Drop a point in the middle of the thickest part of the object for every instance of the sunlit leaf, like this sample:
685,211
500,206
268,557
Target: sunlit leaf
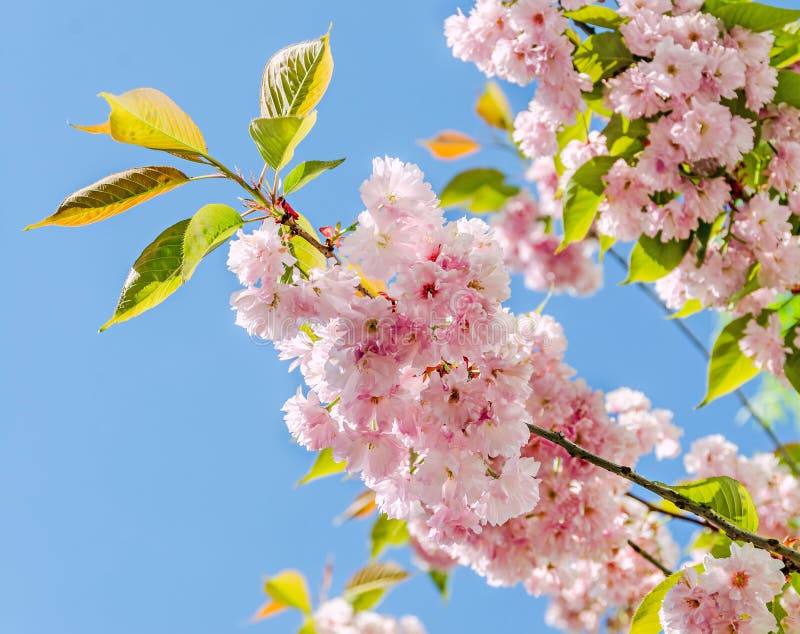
451,145
788,89
646,619
305,172
367,586
752,15
691,307
602,55
728,368
478,190
295,78
171,258
624,137
308,256
598,16
726,496
147,117
582,197
289,588
277,137
387,532
652,259
494,109
324,465
112,195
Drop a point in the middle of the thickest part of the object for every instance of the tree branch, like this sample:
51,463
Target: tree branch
641,551
677,516
791,557
701,348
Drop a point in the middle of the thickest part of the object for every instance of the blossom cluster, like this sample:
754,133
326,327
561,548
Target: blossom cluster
712,160
522,229
338,617
522,42
426,389
729,595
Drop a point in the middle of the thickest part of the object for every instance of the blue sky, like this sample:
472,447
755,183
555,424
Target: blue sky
146,476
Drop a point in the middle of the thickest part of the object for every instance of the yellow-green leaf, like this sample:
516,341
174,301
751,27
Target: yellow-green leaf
494,109
289,588
324,465
651,259
367,586
296,77
277,137
387,532
112,195
171,258
305,172
691,307
728,368
646,620
726,496
308,256
147,117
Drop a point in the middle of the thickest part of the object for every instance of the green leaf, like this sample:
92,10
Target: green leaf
149,118
308,626
306,172
578,131
753,15
324,465
308,256
786,49
602,55
792,369
478,190
726,496
691,307
652,259
583,194
387,532
367,586
494,109
171,258
646,620
296,78
277,137
289,588
599,16
606,242
728,368
788,88
112,195
441,579
624,137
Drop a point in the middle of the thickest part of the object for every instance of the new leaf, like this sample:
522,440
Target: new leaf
170,260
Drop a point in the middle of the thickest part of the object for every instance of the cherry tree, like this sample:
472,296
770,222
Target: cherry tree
672,125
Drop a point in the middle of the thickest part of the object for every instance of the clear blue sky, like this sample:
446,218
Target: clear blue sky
146,476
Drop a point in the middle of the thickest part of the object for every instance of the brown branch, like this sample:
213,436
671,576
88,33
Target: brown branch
790,557
641,551
677,516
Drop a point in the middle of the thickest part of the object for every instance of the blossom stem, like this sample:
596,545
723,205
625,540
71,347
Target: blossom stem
677,516
703,350
790,557
641,551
